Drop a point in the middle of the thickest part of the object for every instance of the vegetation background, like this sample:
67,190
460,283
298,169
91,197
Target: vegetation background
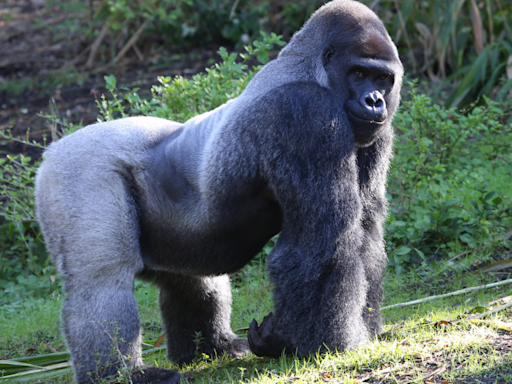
67,63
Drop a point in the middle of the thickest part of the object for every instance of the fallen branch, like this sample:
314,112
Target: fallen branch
76,60
436,372
490,312
459,292
132,41
466,252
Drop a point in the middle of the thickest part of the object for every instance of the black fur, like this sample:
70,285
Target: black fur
303,151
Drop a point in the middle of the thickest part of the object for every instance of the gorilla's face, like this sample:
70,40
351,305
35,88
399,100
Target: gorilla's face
363,68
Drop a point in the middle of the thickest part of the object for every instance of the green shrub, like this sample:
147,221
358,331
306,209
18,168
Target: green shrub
24,264
439,195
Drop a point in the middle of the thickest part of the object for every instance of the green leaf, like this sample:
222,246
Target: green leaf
263,57
111,82
403,250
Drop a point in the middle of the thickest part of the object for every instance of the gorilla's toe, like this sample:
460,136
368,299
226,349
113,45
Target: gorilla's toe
148,375
239,347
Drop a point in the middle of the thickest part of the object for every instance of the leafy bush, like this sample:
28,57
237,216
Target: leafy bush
440,200
24,263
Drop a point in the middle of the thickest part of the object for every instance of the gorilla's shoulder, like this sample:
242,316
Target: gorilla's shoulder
301,101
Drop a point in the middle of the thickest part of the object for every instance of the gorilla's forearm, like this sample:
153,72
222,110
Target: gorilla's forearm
373,164
320,285
320,308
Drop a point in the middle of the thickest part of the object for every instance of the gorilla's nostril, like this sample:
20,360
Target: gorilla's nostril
369,101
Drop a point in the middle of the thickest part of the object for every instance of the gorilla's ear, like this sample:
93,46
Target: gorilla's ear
327,55
320,73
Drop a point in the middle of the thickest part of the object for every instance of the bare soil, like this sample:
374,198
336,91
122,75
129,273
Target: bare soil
32,52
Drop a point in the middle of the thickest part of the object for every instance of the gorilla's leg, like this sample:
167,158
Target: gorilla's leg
318,305
90,225
198,304
101,325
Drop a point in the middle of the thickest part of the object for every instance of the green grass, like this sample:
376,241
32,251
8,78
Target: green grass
416,346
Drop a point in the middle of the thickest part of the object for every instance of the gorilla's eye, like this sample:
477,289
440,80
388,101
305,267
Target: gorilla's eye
384,77
328,54
358,73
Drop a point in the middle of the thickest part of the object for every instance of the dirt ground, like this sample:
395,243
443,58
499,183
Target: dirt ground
32,51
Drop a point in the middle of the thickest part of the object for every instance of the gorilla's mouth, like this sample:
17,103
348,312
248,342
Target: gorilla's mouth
365,126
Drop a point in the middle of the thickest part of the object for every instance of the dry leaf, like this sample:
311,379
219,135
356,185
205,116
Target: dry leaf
159,341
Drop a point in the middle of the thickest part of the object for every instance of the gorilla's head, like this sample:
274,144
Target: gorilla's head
354,56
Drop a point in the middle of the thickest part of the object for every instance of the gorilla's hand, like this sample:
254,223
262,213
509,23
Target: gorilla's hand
262,339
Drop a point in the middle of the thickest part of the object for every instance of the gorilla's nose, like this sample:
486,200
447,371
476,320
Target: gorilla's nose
373,104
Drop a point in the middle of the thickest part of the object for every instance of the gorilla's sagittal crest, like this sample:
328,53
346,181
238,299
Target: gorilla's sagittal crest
303,151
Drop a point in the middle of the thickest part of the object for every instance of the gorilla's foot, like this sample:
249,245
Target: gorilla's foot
147,375
263,340
239,347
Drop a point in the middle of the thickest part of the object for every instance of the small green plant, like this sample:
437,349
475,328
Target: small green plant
24,263
198,342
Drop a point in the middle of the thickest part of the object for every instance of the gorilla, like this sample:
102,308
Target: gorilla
303,151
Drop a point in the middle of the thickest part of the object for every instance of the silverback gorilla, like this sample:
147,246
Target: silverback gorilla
304,151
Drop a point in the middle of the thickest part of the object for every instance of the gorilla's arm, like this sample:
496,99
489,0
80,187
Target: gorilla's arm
373,164
320,285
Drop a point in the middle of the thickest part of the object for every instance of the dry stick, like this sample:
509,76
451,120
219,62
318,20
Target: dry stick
77,59
436,372
138,52
384,378
483,314
130,42
407,41
491,24
232,13
478,30
96,45
466,252
459,292
503,299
